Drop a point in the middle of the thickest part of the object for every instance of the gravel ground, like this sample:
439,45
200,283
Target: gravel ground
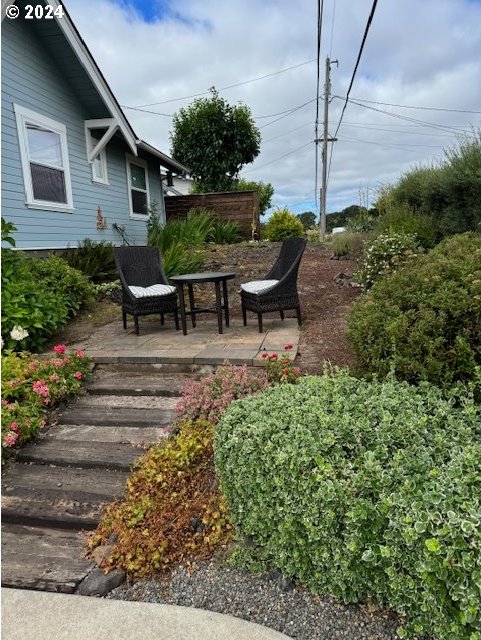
266,599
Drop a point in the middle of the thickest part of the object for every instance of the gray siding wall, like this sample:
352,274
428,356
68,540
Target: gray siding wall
31,79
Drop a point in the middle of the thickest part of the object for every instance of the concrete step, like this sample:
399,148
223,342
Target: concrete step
44,559
95,433
116,402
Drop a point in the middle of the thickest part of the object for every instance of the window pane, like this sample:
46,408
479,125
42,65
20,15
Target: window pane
44,146
139,202
98,169
138,177
48,184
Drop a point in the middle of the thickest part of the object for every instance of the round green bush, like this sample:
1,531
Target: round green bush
424,321
401,219
364,490
283,224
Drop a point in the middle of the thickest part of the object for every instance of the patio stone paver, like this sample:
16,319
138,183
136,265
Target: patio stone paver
159,344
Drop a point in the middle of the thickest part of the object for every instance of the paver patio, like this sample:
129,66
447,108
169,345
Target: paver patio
159,344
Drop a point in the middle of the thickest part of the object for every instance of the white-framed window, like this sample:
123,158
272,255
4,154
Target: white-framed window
99,163
138,185
45,165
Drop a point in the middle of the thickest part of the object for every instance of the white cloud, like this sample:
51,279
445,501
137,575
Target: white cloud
417,53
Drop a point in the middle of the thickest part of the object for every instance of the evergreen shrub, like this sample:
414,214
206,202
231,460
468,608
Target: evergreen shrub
282,225
424,321
363,490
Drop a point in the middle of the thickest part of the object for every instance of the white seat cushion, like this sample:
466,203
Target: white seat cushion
258,286
153,290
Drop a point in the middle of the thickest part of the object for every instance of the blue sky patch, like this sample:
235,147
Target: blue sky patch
152,11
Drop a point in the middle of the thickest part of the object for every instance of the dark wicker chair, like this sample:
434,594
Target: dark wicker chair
278,291
145,288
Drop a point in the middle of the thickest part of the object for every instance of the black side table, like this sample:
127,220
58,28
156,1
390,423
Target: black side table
221,301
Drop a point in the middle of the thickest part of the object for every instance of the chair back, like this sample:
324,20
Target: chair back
289,259
139,266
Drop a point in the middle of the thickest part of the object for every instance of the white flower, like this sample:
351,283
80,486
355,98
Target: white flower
17,333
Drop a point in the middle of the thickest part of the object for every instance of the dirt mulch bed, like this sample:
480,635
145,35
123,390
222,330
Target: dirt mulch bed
324,302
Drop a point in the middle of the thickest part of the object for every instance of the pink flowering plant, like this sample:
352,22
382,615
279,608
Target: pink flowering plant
281,367
207,399
31,385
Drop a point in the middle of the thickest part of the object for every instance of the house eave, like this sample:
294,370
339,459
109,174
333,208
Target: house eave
165,161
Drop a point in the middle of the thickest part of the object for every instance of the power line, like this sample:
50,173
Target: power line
288,113
366,31
410,106
230,86
446,127
280,157
394,145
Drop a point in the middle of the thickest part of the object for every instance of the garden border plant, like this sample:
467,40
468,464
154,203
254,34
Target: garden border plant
364,490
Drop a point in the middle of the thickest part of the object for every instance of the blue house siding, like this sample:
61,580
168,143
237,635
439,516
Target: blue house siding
31,79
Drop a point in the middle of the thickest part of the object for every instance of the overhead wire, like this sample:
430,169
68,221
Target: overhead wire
230,86
410,106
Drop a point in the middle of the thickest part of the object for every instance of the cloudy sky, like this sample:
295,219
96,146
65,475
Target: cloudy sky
417,84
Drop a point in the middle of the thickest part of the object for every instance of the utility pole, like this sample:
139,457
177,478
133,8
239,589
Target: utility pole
325,140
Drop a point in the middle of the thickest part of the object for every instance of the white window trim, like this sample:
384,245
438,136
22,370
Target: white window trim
141,163
103,158
26,116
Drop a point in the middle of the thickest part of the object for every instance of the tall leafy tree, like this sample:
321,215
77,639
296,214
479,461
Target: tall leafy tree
264,189
214,140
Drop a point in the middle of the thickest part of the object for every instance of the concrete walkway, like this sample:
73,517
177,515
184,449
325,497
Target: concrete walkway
202,345
33,615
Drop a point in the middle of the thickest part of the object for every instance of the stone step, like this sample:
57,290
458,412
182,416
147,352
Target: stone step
115,402
57,497
117,416
42,558
69,453
131,385
95,433
124,367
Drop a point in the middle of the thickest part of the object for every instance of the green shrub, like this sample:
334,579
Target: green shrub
178,259
364,490
423,322
402,220
225,232
281,225
385,255
348,243
362,222
95,260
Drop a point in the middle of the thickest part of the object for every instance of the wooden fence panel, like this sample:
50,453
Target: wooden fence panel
236,206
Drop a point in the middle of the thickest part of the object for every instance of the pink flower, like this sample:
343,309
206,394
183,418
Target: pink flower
13,426
273,356
297,372
65,360
78,375
40,387
10,439
54,378
80,353
60,348
288,347
265,355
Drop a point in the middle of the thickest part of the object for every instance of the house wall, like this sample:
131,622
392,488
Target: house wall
30,78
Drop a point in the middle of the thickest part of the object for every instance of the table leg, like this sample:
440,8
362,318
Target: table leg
191,302
226,302
218,305
180,289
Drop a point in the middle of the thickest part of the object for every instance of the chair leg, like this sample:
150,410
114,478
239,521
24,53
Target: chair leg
244,316
299,317
281,311
259,320
176,319
124,319
136,321
162,319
